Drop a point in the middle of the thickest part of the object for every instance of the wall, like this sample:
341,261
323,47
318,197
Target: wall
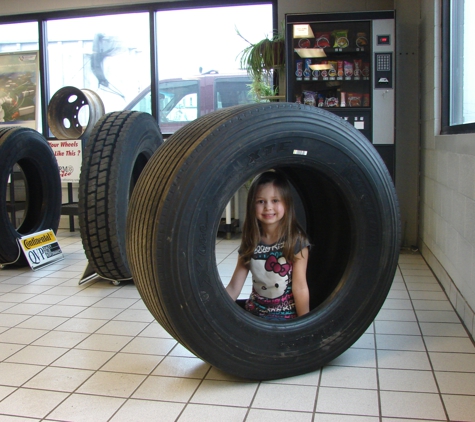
447,182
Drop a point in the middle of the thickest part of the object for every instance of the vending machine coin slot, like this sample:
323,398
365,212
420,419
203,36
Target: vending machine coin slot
383,77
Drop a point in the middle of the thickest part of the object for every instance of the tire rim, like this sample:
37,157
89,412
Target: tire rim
67,109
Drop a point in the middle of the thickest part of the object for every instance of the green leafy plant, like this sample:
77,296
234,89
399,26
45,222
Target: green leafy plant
261,60
260,90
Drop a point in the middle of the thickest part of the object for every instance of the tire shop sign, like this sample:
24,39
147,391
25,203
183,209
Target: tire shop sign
41,249
68,153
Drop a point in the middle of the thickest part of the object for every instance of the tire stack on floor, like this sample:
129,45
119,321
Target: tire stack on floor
350,211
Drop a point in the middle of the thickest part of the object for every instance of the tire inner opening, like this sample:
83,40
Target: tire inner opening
325,214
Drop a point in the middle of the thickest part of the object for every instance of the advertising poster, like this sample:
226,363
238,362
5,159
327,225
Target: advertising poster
68,153
19,89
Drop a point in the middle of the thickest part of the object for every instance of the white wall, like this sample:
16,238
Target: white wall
447,182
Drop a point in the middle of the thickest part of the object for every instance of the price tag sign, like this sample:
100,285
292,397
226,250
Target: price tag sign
41,249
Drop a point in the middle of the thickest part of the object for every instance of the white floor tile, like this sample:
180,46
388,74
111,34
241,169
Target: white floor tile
150,346
364,358
402,359
37,355
399,342
21,335
173,366
348,401
167,389
31,403
199,412
407,380
259,415
456,383
349,377
86,408
459,362
111,384
449,344
83,359
412,405
104,342
132,363
225,393
460,408
59,379
145,410
443,329
16,374
285,397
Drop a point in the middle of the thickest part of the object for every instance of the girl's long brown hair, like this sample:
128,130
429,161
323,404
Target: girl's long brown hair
290,230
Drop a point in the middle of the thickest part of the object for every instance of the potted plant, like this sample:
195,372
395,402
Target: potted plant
261,60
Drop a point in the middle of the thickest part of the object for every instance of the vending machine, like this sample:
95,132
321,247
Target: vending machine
344,63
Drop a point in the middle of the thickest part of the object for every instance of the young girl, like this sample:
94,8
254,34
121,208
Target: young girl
275,249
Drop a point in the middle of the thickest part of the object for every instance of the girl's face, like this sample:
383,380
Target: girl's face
270,207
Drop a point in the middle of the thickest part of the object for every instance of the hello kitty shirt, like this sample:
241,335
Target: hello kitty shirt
271,296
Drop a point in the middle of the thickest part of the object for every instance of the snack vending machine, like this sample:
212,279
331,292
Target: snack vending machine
344,63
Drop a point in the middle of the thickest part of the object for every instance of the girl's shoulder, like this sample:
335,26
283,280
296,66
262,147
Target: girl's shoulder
302,242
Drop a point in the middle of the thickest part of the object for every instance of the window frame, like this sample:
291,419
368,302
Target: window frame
446,74
151,8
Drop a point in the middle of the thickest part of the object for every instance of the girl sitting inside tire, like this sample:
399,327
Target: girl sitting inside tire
275,249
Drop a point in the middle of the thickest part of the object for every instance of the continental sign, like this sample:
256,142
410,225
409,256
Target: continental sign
41,249
38,240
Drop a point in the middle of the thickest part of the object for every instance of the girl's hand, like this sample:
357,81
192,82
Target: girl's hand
237,280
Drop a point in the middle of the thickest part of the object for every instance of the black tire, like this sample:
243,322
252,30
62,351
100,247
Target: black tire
351,217
120,145
31,152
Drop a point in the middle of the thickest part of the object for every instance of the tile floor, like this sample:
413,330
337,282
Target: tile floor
93,352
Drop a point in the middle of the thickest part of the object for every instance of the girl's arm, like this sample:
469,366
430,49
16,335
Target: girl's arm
299,283
237,280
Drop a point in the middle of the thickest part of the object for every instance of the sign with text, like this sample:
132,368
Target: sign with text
41,249
68,153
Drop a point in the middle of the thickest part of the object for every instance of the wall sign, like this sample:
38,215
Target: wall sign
68,153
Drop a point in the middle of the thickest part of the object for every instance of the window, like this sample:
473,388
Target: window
21,36
458,64
112,52
109,55
203,45
184,100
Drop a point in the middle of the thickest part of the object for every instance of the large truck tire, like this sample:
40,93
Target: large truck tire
120,145
351,216
29,150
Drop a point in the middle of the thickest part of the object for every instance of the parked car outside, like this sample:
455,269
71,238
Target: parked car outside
184,100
